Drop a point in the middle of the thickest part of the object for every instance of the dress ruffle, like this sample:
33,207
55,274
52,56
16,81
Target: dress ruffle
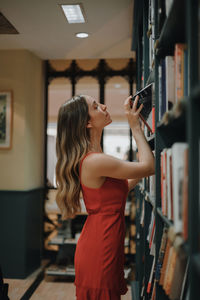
86,293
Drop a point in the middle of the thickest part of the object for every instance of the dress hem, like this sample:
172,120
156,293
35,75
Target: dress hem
119,292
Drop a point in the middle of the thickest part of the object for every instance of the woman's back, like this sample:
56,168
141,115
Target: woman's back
99,257
108,197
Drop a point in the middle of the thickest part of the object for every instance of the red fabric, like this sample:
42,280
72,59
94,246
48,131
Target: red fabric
99,255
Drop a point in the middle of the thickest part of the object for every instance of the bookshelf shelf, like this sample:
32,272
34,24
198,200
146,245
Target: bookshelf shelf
173,30
164,218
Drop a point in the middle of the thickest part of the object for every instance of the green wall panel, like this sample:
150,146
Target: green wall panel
21,229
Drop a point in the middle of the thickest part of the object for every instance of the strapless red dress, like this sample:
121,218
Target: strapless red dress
99,255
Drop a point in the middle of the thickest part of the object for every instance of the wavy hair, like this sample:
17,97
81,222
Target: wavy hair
72,143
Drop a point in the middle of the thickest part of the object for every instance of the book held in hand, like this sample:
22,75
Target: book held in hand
145,98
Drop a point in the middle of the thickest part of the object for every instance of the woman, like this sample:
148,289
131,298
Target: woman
105,182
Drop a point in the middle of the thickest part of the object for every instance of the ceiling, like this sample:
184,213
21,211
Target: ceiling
44,30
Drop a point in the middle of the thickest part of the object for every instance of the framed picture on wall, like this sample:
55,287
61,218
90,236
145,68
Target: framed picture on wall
6,116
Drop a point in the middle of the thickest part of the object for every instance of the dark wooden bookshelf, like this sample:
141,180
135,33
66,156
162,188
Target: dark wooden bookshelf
180,124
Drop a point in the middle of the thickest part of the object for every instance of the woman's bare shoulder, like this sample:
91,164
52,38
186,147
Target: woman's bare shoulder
100,157
110,166
101,162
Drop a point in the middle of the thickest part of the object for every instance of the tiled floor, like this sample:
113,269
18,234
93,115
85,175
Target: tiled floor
61,291
47,290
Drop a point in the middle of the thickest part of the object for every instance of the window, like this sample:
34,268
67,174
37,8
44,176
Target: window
117,134
59,91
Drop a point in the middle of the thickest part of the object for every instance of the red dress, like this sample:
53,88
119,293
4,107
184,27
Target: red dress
99,255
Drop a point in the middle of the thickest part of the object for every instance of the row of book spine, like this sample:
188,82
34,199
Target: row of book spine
170,268
170,271
173,86
164,9
148,184
174,186
173,74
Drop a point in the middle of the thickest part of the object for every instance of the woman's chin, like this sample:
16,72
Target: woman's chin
109,122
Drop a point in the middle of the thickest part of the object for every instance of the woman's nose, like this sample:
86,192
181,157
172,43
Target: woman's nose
104,107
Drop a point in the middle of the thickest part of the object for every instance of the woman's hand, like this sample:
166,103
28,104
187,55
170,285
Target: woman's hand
132,112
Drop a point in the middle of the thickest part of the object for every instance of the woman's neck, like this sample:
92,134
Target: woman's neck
95,138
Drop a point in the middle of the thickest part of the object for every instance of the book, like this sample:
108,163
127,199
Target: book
162,181
170,81
154,291
153,119
164,265
142,215
161,254
145,98
162,88
151,277
164,204
185,196
165,182
169,258
179,278
151,33
151,228
169,186
166,78
170,273
152,233
153,245
179,70
152,188
177,177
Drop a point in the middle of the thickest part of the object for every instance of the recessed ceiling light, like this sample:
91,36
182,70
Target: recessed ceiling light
73,13
82,35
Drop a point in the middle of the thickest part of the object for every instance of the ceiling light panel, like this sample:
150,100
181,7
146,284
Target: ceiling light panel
73,13
82,35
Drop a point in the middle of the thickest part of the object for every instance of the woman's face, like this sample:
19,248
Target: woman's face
99,117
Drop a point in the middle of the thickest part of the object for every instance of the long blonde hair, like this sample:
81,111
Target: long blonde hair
72,143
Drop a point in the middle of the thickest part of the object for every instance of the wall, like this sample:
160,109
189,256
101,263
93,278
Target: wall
21,167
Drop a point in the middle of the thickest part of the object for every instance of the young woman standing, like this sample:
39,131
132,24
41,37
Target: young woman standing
105,182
